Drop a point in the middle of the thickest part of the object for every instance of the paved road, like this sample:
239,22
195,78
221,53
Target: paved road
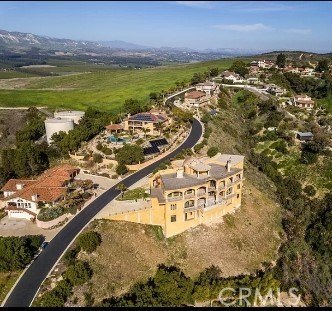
25,290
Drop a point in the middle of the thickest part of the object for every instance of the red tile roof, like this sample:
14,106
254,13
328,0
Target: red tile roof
48,187
195,95
114,127
11,184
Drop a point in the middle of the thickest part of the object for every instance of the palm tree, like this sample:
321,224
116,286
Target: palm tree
121,187
159,126
116,136
145,130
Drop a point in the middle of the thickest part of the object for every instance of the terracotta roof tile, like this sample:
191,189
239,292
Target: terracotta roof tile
48,187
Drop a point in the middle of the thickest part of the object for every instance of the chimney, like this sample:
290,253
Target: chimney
179,173
34,197
228,165
19,186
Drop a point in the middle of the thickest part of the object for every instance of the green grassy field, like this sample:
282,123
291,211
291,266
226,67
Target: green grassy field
107,89
326,103
15,74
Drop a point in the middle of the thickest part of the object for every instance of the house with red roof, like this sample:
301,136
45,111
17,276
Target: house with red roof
22,196
195,99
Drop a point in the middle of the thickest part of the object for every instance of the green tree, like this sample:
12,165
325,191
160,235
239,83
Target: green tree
130,154
239,67
121,187
79,273
323,65
281,60
89,241
121,169
212,151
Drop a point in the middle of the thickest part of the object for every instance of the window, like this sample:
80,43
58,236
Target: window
173,218
173,207
238,195
239,186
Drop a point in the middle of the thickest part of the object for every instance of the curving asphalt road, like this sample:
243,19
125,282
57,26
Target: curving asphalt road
26,288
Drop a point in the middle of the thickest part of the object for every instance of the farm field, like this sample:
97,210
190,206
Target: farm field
106,89
15,74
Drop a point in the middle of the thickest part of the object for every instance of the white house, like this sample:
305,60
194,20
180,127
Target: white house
232,76
265,64
208,87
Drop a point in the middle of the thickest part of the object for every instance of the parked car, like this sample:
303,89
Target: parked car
43,245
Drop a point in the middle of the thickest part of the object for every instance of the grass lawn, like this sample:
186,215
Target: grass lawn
7,280
133,194
106,90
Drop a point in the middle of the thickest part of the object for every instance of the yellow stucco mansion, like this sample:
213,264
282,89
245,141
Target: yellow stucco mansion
193,192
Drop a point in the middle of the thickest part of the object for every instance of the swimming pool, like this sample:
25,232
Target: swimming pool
119,140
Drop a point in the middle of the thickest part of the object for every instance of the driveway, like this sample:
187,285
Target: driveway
21,227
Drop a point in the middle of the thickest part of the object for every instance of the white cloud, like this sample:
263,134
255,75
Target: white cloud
299,31
269,7
197,4
243,28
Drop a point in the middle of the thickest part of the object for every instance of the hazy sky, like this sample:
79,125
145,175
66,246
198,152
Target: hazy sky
195,24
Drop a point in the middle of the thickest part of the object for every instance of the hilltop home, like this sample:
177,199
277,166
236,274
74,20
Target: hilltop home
198,191
208,87
21,196
265,64
148,122
275,90
302,101
231,76
195,99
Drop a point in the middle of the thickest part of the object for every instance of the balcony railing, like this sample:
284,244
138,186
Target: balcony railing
172,199
199,193
189,195
221,187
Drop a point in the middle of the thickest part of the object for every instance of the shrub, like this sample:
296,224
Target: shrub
121,169
89,241
308,157
309,190
212,151
79,273
70,256
97,158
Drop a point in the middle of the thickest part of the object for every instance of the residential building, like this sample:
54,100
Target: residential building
265,64
252,80
195,99
210,88
197,191
275,90
304,136
232,76
146,122
22,196
302,101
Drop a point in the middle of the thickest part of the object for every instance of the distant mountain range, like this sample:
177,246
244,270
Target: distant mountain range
108,52
22,41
